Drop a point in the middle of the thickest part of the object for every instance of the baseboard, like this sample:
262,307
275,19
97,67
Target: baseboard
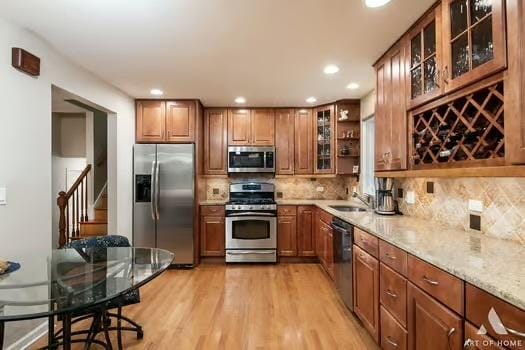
29,338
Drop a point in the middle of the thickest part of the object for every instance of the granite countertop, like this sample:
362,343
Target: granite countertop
494,265
214,202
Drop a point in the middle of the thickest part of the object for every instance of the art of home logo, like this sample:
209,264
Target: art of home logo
499,328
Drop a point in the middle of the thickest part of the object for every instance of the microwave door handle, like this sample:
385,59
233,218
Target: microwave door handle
152,190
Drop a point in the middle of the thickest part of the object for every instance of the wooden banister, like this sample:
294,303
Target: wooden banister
73,208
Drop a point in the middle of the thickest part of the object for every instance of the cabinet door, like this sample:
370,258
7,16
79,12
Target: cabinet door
304,141
151,121
430,324
473,40
476,341
324,131
423,64
329,251
287,235
305,231
515,84
263,127
284,141
366,290
213,233
180,121
382,122
239,127
215,142
397,148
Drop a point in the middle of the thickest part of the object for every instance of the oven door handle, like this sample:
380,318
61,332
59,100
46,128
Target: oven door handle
250,213
250,252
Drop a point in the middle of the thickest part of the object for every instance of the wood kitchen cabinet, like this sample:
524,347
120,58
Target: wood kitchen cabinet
366,290
254,127
285,141
391,117
324,136
305,231
165,121
216,142
430,324
212,231
287,235
324,241
151,121
423,64
304,141
474,41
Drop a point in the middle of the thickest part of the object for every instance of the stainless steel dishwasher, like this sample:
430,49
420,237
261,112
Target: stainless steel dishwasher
343,260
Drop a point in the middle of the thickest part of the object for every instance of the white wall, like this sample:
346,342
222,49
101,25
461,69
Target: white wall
25,145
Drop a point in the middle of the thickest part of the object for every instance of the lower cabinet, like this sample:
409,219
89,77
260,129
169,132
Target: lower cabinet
212,231
287,235
393,335
305,231
366,290
324,239
430,324
476,341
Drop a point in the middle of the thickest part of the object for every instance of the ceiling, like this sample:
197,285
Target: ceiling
272,52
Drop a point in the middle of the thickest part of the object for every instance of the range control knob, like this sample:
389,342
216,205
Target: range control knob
250,207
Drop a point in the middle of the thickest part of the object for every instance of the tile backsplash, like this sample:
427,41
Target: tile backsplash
289,187
503,214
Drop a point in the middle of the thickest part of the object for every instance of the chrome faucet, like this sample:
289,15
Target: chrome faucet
366,199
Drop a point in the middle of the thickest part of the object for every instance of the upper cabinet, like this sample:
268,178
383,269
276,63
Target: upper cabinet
324,161
151,121
165,121
285,141
423,65
391,115
251,127
215,142
304,141
473,40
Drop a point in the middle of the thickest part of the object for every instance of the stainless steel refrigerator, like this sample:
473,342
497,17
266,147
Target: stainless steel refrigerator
164,198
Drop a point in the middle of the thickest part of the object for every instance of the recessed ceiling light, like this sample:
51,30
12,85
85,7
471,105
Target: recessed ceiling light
311,100
240,100
376,3
331,69
156,92
352,86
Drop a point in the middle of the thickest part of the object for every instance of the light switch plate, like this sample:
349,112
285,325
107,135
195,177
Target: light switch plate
475,205
3,196
320,189
410,197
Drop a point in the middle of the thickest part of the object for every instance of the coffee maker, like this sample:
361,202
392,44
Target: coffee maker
385,202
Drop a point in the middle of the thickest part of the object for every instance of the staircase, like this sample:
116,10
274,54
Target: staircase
74,222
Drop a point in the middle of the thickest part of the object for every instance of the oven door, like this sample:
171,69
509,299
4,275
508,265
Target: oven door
251,232
251,160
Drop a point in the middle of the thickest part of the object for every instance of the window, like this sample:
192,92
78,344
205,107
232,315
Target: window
368,156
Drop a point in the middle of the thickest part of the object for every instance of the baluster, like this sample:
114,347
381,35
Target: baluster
62,225
86,199
67,220
73,219
82,212
78,216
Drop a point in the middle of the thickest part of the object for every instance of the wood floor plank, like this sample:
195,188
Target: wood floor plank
285,306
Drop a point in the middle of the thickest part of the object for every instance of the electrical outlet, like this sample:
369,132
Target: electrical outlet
320,189
216,191
475,222
411,197
3,196
475,205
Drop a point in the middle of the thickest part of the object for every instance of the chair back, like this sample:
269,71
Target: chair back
112,241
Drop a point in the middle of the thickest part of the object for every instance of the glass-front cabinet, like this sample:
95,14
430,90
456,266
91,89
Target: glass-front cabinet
473,40
324,140
424,59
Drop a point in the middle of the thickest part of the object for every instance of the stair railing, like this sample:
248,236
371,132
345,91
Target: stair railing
73,208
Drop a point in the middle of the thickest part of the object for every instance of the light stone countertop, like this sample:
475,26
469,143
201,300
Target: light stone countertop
214,202
494,265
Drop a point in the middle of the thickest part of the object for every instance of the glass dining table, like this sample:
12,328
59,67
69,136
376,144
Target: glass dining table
68,281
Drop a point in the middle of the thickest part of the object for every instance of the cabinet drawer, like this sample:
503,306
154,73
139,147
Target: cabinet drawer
479,303
367,242
393,335
441,285
212,210
480,342
393,293
325,217
286,210
393,257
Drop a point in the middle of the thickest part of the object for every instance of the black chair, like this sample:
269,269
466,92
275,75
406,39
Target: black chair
102,318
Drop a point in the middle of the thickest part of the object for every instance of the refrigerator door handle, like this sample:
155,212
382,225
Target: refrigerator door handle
153,186
157,190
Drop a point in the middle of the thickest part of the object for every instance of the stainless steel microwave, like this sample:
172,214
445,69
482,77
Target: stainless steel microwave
251,159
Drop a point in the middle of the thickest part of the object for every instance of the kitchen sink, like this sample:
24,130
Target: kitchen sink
347,208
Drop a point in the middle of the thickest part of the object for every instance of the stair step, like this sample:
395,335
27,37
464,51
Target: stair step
101,214
93,228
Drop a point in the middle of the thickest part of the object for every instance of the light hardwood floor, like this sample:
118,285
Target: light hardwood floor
286,306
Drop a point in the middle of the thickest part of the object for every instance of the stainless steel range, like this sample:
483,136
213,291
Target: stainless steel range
251,223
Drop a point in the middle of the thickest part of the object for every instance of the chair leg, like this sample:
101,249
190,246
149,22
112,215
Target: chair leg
93,330
106,330
51,332
1,335
119,328
139,330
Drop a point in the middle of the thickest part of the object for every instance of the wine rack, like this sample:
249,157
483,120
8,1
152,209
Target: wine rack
467,130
